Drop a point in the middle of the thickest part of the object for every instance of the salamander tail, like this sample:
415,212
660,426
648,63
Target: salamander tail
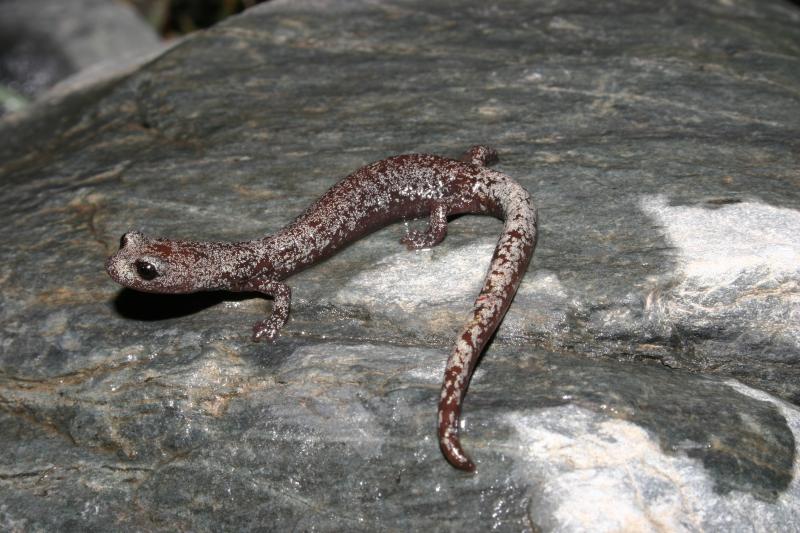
509,263
449,415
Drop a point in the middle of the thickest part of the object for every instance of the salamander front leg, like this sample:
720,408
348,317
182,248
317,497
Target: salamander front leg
480,155
268,329
433,235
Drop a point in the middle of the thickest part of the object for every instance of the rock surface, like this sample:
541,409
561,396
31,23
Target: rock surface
44,41
646,377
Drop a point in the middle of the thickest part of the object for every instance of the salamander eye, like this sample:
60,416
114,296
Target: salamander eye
146,270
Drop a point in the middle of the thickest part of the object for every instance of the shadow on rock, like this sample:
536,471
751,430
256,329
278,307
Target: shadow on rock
148,306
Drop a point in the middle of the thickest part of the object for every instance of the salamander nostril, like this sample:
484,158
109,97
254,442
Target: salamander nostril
123,241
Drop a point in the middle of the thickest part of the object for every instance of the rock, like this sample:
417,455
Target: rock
45,41
645,378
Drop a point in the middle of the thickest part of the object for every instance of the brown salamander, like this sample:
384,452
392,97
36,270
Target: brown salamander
397,188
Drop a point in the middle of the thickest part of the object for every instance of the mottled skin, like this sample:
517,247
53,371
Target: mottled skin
397,188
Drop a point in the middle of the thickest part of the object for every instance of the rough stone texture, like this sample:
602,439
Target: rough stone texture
645,378
44,41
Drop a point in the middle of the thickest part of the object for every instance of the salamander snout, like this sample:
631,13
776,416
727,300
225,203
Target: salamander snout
161,265
123,266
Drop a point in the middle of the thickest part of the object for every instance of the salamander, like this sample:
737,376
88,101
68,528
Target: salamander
397,188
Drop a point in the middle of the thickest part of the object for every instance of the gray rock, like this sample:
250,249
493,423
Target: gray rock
645,378
42,42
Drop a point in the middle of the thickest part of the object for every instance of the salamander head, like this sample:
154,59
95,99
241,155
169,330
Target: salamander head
156,265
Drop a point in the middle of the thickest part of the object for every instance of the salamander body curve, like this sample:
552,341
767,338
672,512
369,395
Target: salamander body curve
393,189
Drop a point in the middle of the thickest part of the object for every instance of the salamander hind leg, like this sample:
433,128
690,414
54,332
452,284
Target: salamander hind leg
433,234
479,155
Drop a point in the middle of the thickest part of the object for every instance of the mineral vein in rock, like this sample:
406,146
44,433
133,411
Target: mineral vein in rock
400,187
